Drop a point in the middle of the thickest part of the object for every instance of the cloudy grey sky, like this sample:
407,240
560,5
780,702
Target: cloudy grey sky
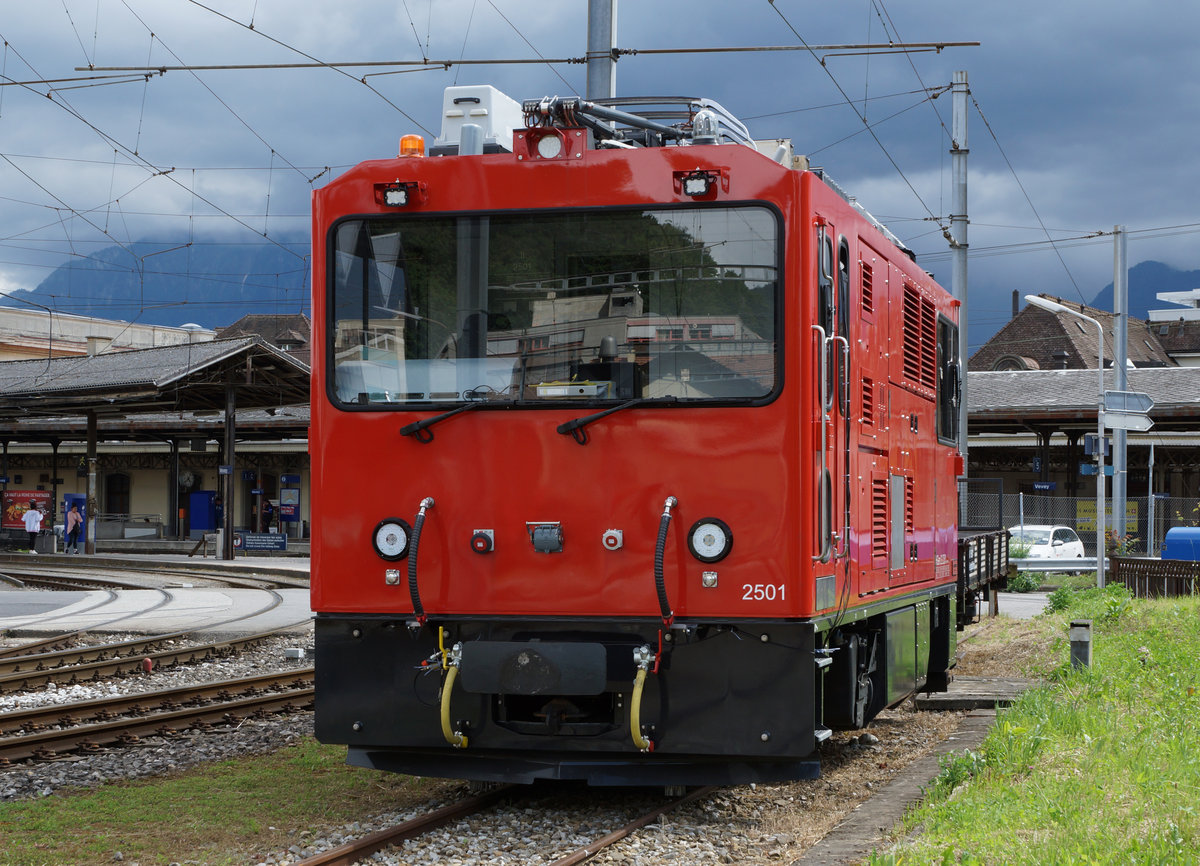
1083,115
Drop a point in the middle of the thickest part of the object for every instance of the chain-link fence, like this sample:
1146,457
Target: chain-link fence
983,505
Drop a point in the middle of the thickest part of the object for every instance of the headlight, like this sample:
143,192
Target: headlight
390,539
710,539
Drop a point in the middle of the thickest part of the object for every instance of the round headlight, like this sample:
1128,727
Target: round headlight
710,539
390,539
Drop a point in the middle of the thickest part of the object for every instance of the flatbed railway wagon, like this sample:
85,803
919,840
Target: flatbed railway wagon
633,452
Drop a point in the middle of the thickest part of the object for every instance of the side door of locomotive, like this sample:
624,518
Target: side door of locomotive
869,456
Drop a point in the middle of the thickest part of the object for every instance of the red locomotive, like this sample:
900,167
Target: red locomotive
633,447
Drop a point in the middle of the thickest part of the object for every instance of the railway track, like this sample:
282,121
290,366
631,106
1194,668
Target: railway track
60,576
49,644
45,733
85,664
168,597
360,849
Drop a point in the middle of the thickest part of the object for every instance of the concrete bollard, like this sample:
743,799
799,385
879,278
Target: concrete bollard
1081,643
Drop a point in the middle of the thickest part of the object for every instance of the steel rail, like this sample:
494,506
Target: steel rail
71,582
593,848
276,601
360,849
352,852
135,659
89,737
51,616
215,574
36,647
101,709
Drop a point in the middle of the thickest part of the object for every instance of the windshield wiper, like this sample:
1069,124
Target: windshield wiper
420,429
575,425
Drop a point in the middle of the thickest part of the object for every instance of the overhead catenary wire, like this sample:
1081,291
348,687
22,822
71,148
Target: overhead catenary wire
930,92
1025,193
527,42
140,161
850,103
256,219
213,94
314,61
883,47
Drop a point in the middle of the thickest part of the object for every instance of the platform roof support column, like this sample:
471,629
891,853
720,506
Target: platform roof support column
226,485
93,511
54,443
176,530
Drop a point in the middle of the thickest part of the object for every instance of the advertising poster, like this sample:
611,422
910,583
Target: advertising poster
16,503
289,505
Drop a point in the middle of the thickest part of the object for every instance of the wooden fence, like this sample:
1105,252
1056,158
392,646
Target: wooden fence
1155,578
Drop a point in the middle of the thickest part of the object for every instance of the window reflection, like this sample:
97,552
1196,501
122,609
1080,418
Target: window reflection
606,305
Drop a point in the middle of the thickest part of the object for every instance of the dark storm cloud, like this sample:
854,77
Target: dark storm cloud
1093,108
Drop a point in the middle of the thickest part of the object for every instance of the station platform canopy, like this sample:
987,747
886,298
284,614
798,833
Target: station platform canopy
161,391
1013,402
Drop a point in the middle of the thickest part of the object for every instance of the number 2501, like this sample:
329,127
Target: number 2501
762,592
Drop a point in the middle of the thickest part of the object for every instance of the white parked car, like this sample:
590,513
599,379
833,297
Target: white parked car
1040,541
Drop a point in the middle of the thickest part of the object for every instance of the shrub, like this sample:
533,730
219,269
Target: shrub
1023,581
1116,601
1060,599
1019,549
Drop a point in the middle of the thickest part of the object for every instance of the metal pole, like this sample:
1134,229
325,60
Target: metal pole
958,243
227,480
1120,383
601,57
92,511
1055,307
1101,548
1150,505
173,491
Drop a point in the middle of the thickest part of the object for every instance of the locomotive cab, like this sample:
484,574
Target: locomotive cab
630,452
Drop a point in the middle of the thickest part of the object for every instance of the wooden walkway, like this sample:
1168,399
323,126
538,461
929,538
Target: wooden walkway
975,693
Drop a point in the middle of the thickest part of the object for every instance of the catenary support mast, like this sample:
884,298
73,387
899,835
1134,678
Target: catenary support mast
1120,378
958,242
601,54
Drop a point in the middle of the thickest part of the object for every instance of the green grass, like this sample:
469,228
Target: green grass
1100,766
1078,582
222,813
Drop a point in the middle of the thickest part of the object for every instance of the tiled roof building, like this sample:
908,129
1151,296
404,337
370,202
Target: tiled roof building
1037,339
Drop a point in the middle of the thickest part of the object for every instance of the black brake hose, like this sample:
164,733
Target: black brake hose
664,605
413,590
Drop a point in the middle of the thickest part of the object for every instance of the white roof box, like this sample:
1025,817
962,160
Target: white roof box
496,114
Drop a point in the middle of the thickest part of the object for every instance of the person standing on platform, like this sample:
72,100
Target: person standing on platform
74,525
33,525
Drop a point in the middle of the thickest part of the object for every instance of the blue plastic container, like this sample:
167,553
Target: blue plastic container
1182,542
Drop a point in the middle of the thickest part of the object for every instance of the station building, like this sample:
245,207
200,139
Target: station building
1033,398
161,431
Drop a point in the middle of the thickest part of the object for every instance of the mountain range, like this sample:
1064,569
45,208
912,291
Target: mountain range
1146,280
208,284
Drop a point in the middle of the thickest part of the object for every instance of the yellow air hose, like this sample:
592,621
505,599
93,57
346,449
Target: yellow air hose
452,737
450,662
635,712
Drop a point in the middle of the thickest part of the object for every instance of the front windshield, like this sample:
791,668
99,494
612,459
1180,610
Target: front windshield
570,305
1031,536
